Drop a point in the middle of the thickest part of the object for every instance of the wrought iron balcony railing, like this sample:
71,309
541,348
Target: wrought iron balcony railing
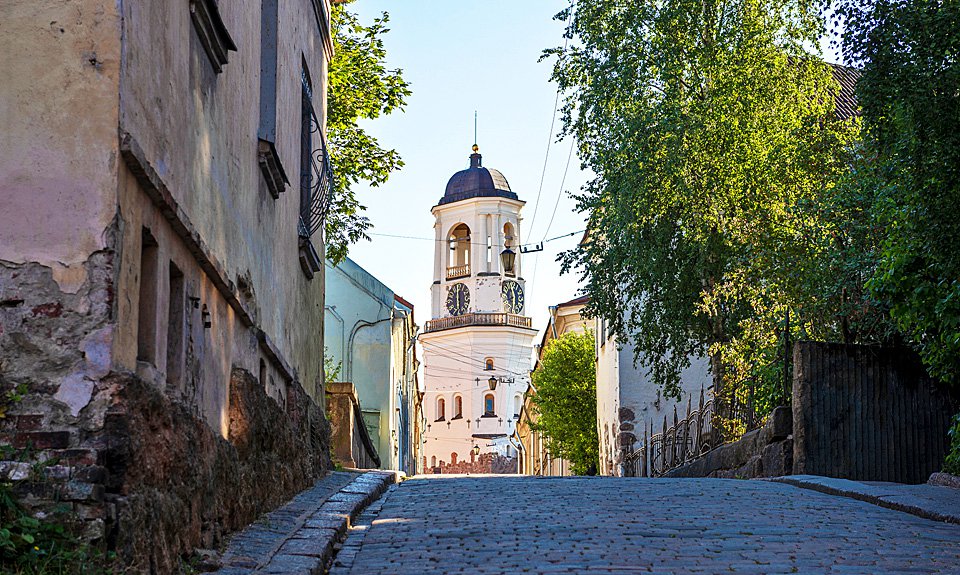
316,183
471,319
455,272
316,171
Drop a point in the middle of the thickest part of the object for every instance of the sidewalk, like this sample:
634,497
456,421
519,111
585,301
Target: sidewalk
928,501
299,537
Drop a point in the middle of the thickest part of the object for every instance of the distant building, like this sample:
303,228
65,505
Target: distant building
535,458
370,334
477,346
165,180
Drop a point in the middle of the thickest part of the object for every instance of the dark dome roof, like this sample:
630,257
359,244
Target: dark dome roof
476,182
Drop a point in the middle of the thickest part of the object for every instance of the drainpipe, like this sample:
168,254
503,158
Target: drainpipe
553,320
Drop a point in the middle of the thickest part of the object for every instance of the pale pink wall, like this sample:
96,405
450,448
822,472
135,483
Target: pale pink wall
58,149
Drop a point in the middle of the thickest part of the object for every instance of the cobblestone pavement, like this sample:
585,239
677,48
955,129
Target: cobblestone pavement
502,524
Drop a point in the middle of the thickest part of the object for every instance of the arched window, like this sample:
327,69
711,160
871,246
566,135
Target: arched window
489,405
509,236
459,246
453,458
517,405
457,407
441,411
488,364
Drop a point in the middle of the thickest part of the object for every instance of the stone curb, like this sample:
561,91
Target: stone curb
309,547
926,501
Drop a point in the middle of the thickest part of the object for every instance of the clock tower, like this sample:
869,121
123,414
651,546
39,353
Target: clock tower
477,346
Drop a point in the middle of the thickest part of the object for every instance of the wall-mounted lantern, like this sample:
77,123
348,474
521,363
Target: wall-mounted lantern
492,382
508,258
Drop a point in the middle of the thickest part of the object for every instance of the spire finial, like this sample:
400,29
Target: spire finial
475,157
476,148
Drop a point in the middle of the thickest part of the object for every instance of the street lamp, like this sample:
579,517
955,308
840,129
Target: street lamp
492,382
508,257
476,450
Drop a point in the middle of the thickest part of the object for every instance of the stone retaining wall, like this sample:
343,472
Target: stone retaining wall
153,481
764,452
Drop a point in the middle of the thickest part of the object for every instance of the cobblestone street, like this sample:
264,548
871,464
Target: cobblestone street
497,524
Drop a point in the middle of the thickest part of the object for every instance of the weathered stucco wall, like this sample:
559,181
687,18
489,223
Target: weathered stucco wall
60,65
118,141
196,129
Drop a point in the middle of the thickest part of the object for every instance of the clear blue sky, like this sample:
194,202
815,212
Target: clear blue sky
460,57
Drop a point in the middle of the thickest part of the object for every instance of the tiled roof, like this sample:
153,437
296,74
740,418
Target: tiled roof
846,100
576,301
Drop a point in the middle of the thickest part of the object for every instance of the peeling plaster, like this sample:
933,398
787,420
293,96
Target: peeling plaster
75,391
70,278
96,349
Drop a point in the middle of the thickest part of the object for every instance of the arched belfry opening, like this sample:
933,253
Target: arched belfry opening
459,262
509,236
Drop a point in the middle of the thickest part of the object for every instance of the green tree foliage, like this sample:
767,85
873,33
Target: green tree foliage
565,400
909,51
718,157
361,88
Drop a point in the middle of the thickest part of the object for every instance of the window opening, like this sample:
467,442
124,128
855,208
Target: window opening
489,405
270,166
175,326
147,328
457,407
488,364
441,404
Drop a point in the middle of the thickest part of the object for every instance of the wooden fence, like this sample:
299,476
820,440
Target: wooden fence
867,413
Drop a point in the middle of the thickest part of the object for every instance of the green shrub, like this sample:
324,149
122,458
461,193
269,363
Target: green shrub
952,463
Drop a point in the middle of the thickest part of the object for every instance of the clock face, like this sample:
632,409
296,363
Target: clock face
512,295
458,299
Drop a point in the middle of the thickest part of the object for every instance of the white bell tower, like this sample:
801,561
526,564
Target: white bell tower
477,346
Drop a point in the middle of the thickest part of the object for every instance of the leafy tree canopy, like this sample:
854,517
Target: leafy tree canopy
565,400
360,87
909,52
711,130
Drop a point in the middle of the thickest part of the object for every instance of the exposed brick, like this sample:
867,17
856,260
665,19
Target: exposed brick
42,439
31,422
74,456
80,491
90,474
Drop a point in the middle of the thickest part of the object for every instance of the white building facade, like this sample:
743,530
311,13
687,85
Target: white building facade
478,344
629,401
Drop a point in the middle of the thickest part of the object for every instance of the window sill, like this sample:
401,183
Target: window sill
310,261
213,34
455,417
271,168
489,415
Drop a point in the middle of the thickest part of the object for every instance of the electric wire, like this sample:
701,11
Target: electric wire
563,181
553,119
